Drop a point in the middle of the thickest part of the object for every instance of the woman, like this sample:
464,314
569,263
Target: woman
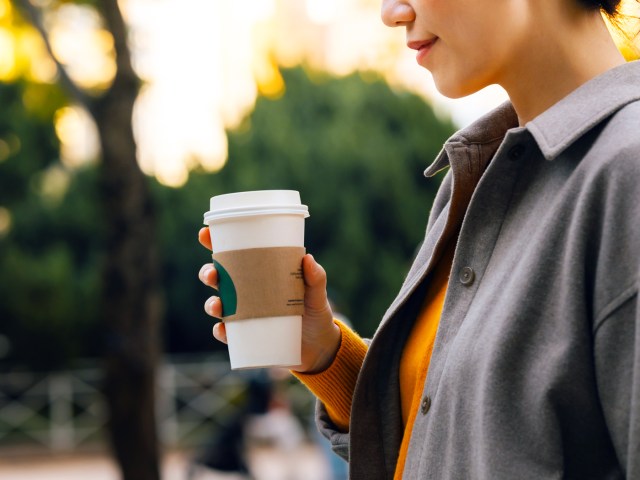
513,347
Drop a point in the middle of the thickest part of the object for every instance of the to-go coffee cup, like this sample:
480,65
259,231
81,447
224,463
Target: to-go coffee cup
258,243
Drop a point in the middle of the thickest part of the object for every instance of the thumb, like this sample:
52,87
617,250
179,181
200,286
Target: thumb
315,280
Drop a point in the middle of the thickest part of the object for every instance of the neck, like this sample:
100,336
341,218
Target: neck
565,57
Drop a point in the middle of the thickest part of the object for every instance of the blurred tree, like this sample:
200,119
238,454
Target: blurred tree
130,302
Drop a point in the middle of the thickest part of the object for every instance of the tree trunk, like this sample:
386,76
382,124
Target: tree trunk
131,290
131,300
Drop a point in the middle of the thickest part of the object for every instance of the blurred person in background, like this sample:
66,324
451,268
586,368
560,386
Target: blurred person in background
513,347
263,418
226,450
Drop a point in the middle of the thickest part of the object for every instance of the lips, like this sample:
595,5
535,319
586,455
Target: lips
423,47
418,44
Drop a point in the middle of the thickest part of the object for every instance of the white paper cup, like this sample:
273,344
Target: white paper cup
269,220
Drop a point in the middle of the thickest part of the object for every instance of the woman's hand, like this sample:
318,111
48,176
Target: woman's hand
320,336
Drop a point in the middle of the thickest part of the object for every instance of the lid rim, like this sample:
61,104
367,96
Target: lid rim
227,213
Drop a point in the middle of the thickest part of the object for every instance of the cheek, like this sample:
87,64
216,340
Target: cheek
481,50
476,45
466,66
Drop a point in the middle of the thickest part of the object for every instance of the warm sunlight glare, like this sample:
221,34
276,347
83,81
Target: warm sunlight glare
37,64
22,51
182,57
7,59
78,136
5,8
80,43
323,11
204,63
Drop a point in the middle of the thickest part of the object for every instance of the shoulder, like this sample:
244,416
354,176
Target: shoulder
620,135
608,199
605,180
613,156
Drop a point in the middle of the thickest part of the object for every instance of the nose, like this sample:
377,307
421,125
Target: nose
397,13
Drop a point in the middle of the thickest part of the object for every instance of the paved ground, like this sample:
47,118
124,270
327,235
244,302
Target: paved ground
305,462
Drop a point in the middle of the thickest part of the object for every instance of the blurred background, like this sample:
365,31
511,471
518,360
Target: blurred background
118,121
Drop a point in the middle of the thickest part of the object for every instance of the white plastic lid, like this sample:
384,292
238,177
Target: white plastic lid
260,202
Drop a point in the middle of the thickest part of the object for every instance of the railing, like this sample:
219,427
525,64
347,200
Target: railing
65,411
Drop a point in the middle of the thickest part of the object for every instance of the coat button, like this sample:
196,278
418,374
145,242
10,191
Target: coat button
426,405
516,151
467,275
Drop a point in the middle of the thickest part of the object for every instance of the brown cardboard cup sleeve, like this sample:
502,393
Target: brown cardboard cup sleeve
260,282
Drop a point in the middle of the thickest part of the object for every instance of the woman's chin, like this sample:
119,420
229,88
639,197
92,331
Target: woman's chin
455,88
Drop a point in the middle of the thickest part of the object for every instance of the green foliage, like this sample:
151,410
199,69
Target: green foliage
47,257
28,143
50,296
50,277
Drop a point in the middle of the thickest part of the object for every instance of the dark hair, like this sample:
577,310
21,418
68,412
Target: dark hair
610,7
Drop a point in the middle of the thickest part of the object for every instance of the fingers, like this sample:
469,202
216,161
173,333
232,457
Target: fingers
220,332
204,237
213,307
209,275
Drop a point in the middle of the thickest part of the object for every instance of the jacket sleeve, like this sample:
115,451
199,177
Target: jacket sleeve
617,311
339,440
337,436
617,362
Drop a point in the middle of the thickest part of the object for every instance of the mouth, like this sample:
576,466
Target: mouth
423,47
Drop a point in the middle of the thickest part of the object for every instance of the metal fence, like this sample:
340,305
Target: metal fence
65,411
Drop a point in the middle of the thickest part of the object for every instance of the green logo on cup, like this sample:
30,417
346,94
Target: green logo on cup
227,291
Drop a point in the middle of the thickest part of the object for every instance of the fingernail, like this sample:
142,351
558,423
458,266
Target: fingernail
208,306
205,274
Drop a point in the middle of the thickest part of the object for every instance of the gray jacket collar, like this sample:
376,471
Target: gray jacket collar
561,125
487,129
558,127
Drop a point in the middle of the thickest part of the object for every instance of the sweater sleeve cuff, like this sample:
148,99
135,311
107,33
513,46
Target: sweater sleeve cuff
334,386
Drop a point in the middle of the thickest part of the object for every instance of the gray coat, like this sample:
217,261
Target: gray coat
535,371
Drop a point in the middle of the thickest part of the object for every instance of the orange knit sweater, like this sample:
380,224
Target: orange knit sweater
335,385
